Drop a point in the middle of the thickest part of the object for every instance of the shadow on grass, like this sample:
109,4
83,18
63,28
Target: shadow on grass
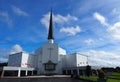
113,78
86,80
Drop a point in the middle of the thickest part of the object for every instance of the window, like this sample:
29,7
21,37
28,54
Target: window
50,66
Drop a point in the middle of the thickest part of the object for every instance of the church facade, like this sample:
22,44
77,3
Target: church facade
49,59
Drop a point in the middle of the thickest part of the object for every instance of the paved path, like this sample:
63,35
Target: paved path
40,79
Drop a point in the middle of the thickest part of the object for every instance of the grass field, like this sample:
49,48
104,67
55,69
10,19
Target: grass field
115,77
93,78
112,80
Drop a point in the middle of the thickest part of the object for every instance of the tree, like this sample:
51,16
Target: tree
101,73
88,70
117,69
101,76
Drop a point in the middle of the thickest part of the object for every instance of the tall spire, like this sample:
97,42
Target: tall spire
50,34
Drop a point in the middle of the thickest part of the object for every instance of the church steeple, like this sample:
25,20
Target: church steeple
50,33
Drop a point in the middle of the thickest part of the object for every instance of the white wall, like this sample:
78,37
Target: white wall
21,60
38,60
24,61
61,51
81,60
74,60
35,61
61,55
50,55
44,55
15,59
28,60
70,60
31,60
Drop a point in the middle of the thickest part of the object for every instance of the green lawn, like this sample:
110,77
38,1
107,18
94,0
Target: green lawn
93,78
112,80
115,77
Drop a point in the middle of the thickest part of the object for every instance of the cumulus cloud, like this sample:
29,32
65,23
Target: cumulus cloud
71,30
4,16
89,41
4,53
100,18
59,19
103,58
63,19
18,11
115,31
15,49
45,20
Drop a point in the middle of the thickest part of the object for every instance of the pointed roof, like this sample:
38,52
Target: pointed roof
50,34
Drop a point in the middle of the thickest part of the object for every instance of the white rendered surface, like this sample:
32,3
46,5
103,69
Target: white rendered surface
48,52
21,60
74,60
15,59
51,41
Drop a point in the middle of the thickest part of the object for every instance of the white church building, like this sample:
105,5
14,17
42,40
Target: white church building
48,59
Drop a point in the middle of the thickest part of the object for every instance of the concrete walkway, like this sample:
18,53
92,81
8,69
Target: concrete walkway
56,78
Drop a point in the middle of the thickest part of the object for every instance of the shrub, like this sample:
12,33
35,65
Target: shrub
88,70
101,73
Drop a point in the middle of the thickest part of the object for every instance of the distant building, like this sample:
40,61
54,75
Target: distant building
49,59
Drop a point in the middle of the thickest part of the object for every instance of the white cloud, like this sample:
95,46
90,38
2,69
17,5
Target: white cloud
4,16
100,18
45,20
89,41
62,19
59,19
4,52
15,49
115,31
103,58
19,12
71,30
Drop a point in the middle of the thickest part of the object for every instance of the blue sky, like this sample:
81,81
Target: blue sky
91,27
